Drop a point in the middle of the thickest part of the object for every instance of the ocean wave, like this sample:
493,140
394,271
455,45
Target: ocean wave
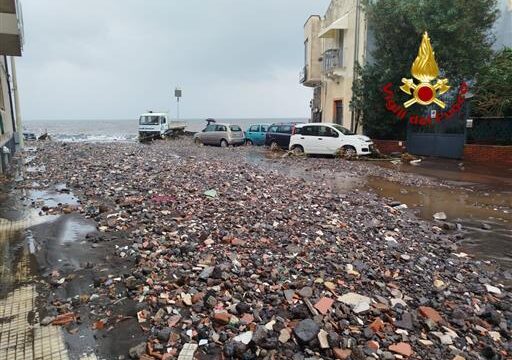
93,138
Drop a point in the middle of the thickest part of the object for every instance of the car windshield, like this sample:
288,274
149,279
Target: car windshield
149,120
342,130
235,128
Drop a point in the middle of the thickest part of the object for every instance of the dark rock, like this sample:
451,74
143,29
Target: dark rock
306,330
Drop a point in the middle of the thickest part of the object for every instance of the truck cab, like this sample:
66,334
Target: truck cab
158,125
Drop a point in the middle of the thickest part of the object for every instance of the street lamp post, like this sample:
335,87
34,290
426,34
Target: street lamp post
177,95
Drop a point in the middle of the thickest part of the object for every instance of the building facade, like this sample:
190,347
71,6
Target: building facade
11,45
503,26
333,44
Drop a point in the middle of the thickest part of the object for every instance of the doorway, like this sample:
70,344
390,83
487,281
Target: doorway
338,112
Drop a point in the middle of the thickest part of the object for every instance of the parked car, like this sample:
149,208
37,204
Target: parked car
220,134
255,134
29,136
278,135
327,138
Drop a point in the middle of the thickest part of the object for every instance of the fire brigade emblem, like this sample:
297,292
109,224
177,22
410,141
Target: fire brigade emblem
425,70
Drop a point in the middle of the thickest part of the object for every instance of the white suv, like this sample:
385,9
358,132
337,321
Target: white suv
328,138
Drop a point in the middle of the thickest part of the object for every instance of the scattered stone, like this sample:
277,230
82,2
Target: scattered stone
137,351
306,330
493,289
188,351
402,349
244,338
324,304
440,216
322,338
430,313
284,335
342,354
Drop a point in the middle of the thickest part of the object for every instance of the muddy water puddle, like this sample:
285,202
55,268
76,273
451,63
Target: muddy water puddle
473,210
75,229
475,200
53,197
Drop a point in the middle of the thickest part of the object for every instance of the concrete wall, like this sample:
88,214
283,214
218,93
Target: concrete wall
313,50
5,107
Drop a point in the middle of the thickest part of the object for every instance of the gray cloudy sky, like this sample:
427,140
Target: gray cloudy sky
117,58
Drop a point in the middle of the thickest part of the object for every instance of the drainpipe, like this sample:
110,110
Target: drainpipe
356,55
16,101
10,93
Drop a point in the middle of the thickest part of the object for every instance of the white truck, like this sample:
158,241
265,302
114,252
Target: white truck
158,126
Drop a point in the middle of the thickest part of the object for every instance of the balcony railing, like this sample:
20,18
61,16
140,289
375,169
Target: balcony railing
303,75
332,59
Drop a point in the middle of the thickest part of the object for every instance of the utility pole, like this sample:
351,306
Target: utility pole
177,95
19,126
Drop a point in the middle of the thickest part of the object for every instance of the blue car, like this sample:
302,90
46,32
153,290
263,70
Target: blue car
256,133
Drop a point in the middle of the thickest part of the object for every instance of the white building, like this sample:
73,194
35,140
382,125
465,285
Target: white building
333,44
11,45
503,26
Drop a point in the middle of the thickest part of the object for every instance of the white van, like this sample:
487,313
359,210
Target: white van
328,138
158,125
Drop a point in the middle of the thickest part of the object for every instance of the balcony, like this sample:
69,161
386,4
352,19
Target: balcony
332,60
11,28
308,77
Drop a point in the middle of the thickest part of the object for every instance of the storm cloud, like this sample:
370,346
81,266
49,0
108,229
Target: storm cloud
117,58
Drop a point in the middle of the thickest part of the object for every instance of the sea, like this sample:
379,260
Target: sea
104,130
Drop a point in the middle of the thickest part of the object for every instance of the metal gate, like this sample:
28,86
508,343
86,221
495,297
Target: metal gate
444,139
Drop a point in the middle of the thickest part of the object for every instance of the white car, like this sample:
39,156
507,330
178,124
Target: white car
328,138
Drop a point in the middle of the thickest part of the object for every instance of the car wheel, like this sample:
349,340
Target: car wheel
298,150
248,142
274,146
349,151
197,141
223,143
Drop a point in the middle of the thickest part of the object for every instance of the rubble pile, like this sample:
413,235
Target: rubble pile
233,261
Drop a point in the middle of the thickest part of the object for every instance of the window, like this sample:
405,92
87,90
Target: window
264,128
254,128
220,128
149,120
2,105
209,128
309,130
343,130
162,120
326,131
272,129
306,43
235,128
285,129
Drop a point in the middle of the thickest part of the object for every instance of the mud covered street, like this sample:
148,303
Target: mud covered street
154,250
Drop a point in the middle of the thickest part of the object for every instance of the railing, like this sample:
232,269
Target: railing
490,131
332,59
303,75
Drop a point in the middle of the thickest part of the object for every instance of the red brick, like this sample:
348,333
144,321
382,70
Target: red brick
430,313
401,348
222,317
341,354
324,304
